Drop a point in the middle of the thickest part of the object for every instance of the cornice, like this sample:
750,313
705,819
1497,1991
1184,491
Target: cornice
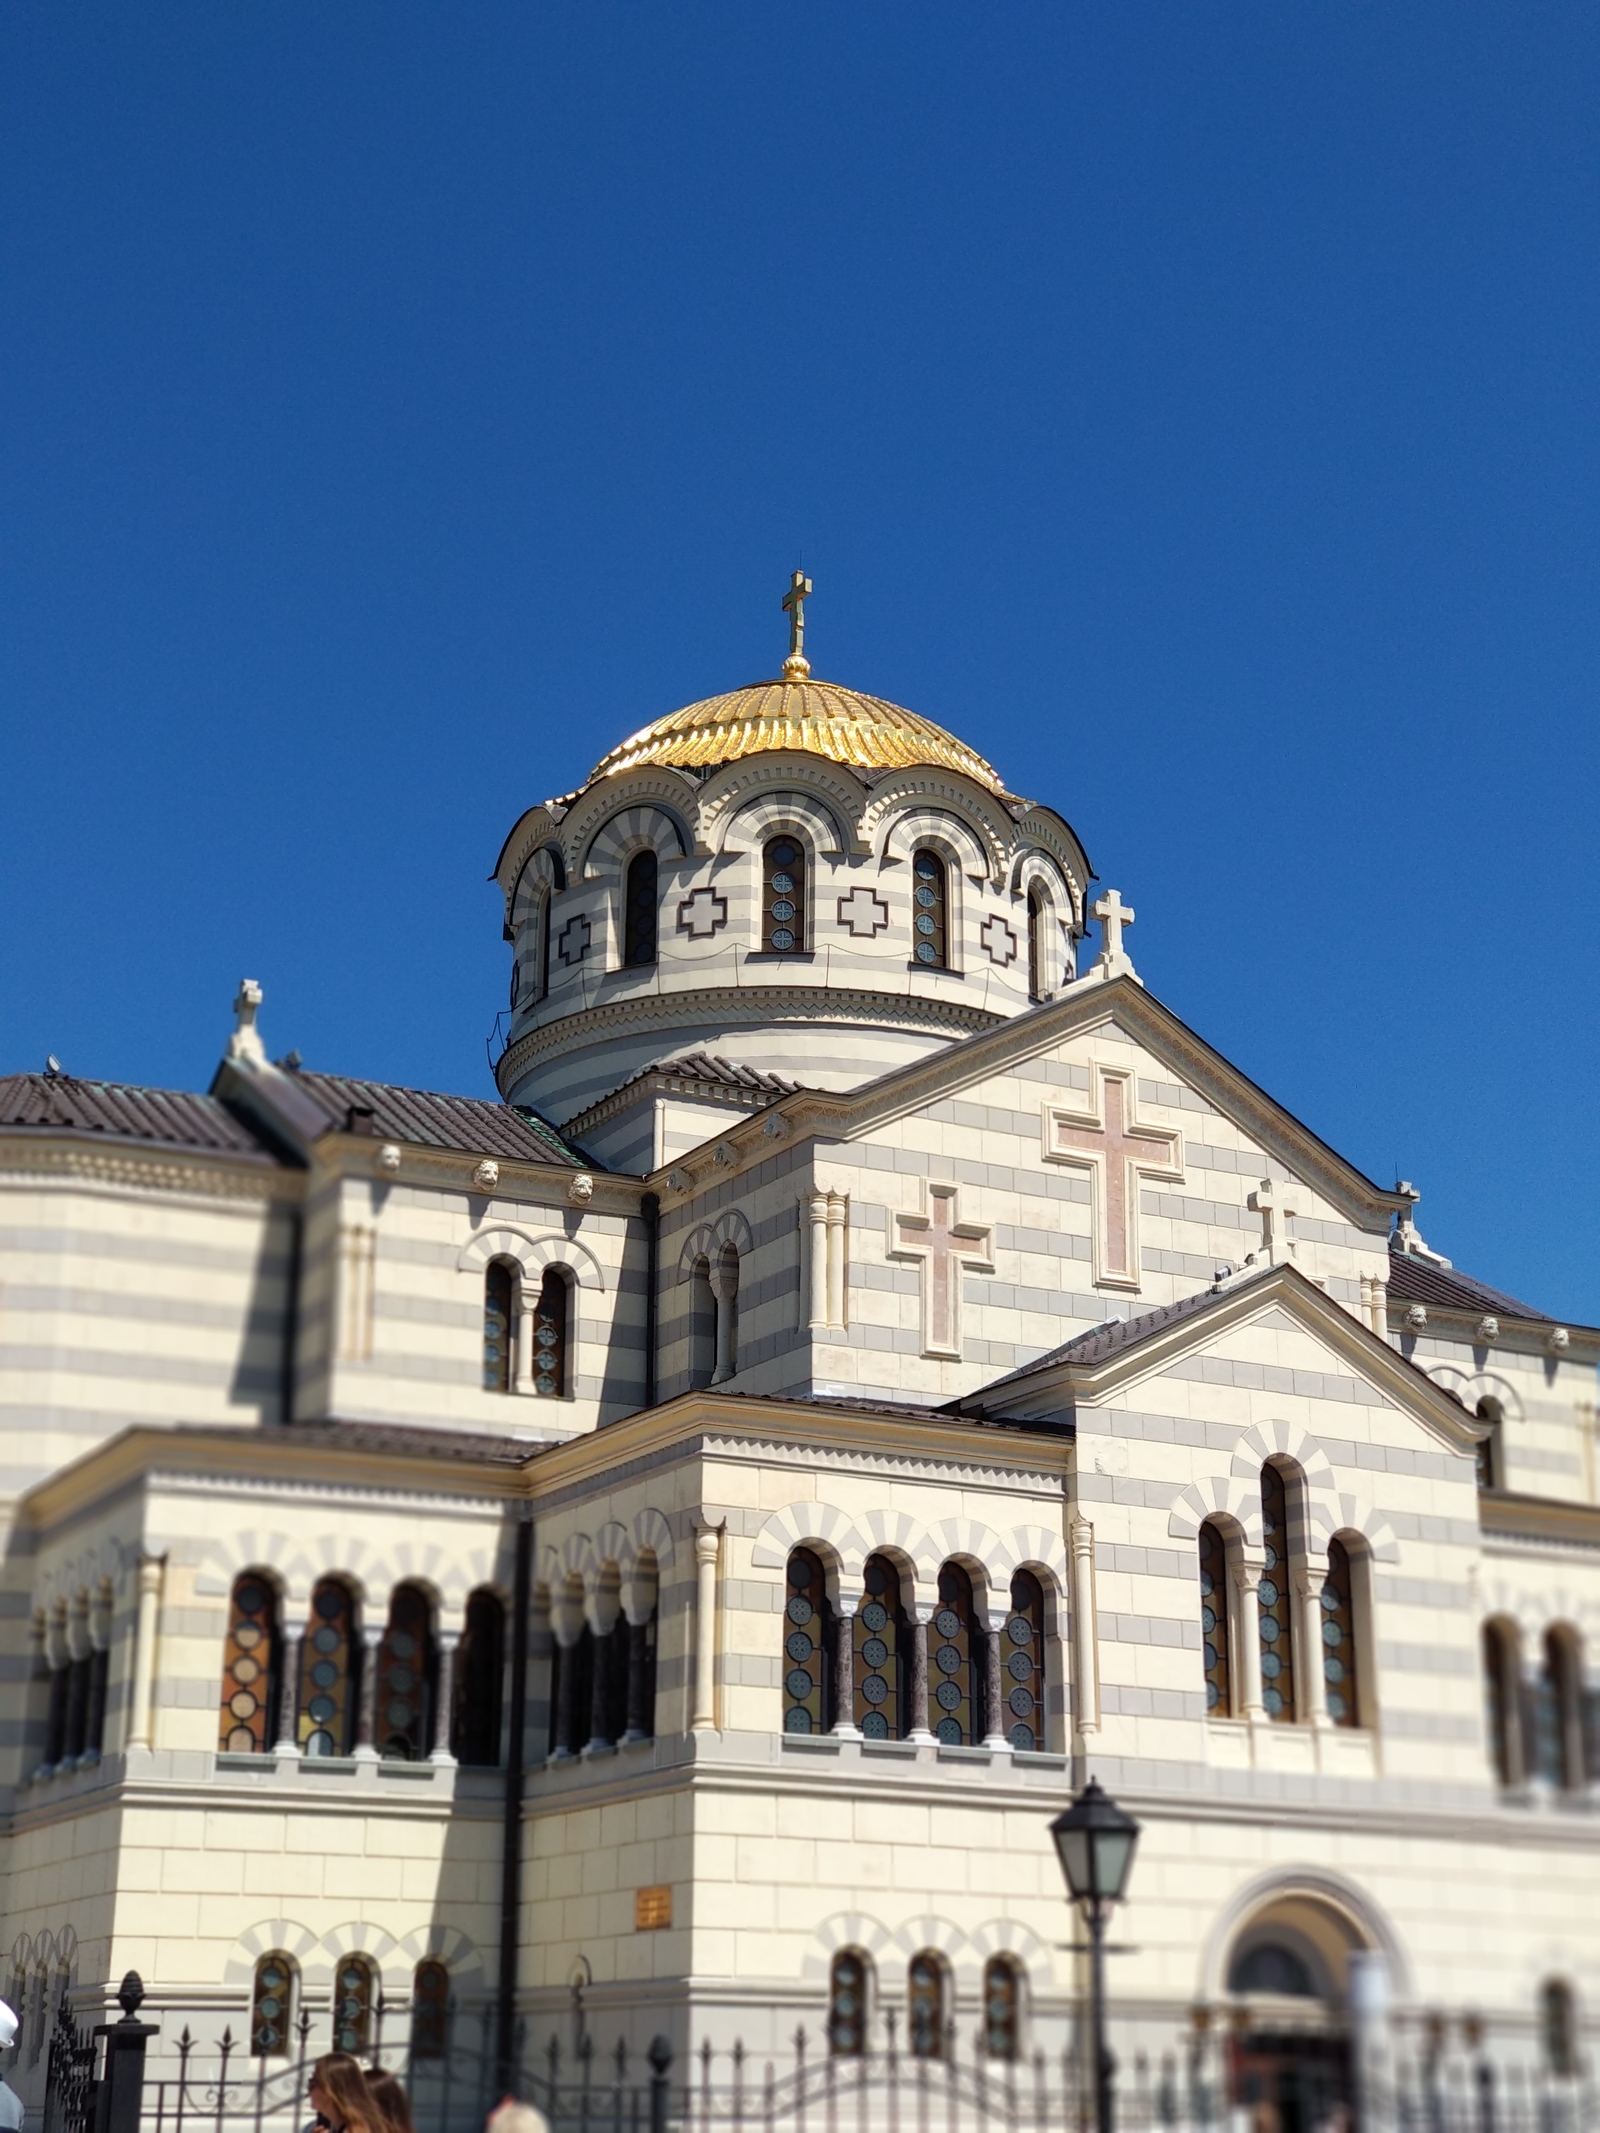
1546,1520
655,1082
546,1185
129,1167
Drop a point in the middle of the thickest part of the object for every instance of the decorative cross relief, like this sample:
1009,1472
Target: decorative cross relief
947,1247
1275,1204
702,914
572,943
862,914
1117,1152
998,940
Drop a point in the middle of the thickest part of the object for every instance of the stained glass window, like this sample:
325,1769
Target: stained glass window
1036,962
479,1671
1002,1995
849,1985
272,2007
878,1653
1499,1684
1214,1620
327,1704
352,2005
1022,1664
498,1291
805,1646
639,914
783,912
250,1668
1277,1644
550,1336
952,1687
430,2010
928,908
1557,2029
1339,1639
925,2007
405,1668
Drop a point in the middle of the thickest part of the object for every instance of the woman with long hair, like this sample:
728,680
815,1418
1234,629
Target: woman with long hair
390,2100
340,2096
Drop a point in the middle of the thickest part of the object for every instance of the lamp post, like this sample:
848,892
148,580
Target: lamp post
1094,1841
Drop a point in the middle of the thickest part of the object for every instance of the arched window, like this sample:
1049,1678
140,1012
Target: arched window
479,1672
249,1669
516,979
1558,2029
1491,1449
702,1325
1022,1657
549,1361
640,904
1002,2008
1275,1596
1501,1669
1558,1713
544,944
1270,1967
499,1289
353,1995
783,902
272,2007
405,1678
953,1645
807,1647
1037,966
725,1294
880,1645
925,2006
1214,1620
327,1672
430,2010
928,908
849,1991
1339,1639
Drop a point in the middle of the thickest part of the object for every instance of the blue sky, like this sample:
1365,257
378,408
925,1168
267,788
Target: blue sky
1194,406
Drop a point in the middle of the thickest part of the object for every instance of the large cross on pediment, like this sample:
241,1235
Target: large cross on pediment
946,1247
1109,1142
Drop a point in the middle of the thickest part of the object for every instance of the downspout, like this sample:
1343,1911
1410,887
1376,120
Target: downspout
650,1209
505,2048
291,1319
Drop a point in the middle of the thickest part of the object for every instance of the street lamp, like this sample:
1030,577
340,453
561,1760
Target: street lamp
1094,1841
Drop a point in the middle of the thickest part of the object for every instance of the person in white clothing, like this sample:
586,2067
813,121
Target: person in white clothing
11,2104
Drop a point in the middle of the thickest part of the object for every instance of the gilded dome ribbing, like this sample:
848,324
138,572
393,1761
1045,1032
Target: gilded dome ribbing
813,717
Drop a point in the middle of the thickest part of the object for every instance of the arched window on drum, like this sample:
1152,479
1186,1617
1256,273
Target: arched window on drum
272,1995
1022,1664
499,1302
549,1360
807,1647
879,1654
354,1991
1038,980
640,901
849,2003
327,1673
430,2010
1214,1621
404,1694
954,1642
929,909
250,1669
783,900
1002,2007
927,2009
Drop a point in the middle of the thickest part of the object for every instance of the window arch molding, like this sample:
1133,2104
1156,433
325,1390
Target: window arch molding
706,1240
950,823
1351,1913
644,825
532,1253
543,875
810,818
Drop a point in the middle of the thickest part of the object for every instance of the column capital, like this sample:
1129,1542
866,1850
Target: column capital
707,1542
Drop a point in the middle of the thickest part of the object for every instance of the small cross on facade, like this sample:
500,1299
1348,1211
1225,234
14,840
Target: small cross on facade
1118,1153
1113,960
796,667
1275,1204
947,1247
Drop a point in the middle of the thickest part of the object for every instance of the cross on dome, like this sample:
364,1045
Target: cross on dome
796,667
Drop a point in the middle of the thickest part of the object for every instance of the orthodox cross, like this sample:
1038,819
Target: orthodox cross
1113,960
1272,1203
947,1246
796,667
1117,1152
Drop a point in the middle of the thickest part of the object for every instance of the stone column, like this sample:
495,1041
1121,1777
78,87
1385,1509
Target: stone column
1086,1634
1314,1698
994,1723
838,1217
367,1705
288,1714
707,1546
522,1310
566,1687
638,1681
444,1697
77,1733
844,1667
142,1685
816,1213
600,1741
55,1727
1380,1307
725,1288
1247,1614
916,1624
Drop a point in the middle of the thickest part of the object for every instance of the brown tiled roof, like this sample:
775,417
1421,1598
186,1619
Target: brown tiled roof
1416,1280
428,1119
1102,1342
115,1110
708,1066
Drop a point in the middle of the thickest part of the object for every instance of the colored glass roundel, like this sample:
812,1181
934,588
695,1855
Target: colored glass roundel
928,908
325,1683
1022,1664
271,2006
951,1658
1000,1998
1339,1639
352,2006
783,897
248,1670
847,2004
805,1681
549,1361
1277,1644
1214,1620
877,1653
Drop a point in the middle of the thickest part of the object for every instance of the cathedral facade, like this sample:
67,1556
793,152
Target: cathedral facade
678,1532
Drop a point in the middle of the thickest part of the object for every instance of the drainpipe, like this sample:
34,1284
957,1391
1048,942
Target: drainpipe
505,2049
650,1209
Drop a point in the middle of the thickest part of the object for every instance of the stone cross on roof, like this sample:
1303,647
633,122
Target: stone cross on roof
245,1043
1113,960
796,667
1275,1203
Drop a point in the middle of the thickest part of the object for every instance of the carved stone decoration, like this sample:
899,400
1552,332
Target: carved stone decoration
726,1155
1560,1340
580,1190
1417,1317
775,1126
487,1175
702,914
999,942
1488,1328
572,944
680,1181
388,1158
862,914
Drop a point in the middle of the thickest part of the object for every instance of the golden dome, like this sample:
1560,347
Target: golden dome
814,717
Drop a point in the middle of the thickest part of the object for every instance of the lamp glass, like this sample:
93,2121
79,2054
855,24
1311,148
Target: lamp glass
1113,1855
1073,1847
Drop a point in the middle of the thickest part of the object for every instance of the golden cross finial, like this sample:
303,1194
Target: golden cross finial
796,667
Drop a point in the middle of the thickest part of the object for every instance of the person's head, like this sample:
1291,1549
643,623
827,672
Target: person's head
509,2116
390,2101
339,2094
